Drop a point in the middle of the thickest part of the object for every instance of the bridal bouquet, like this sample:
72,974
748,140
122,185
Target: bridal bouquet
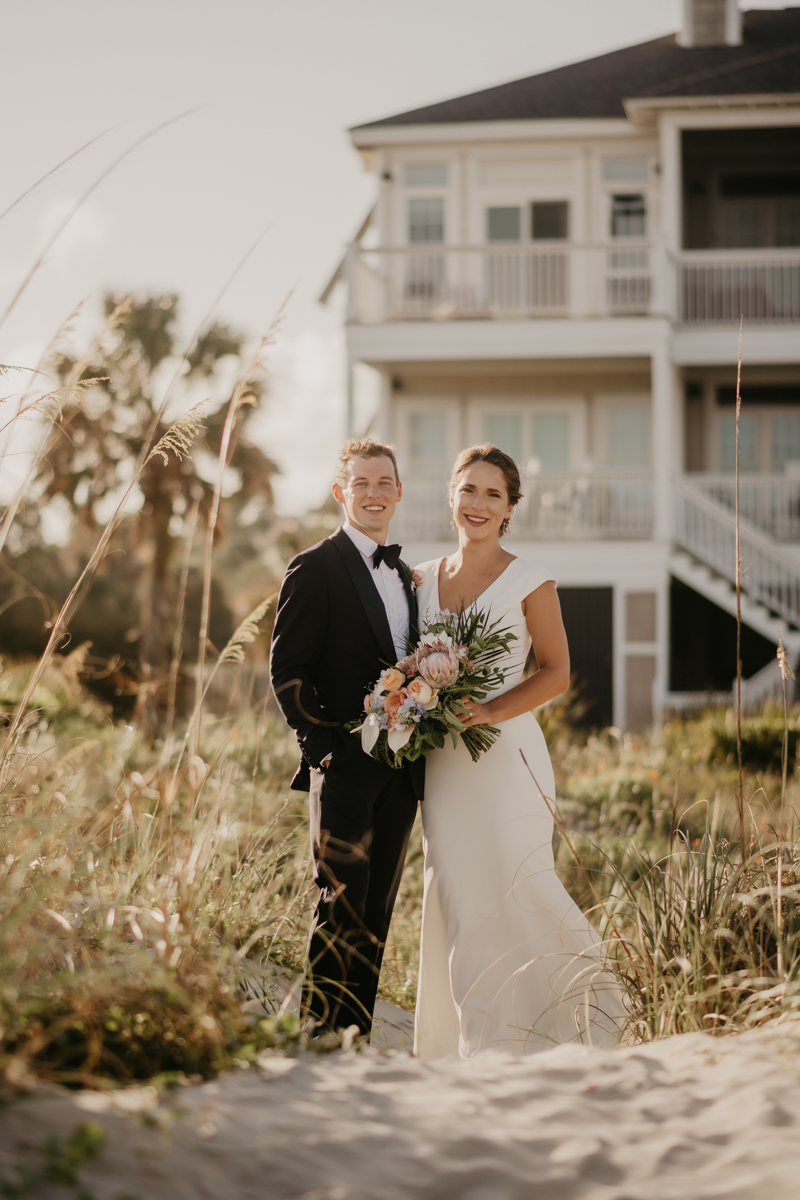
418,701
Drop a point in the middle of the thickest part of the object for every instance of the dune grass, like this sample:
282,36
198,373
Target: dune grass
704,933
142,910
130,897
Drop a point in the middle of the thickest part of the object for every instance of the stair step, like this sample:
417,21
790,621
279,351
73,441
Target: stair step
708,534
722,592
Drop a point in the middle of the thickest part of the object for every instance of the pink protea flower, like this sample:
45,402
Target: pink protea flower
439,668
408,665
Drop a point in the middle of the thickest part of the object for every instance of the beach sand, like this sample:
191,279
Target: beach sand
683,1119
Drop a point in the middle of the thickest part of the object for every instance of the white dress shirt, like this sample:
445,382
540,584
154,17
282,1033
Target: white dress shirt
389,585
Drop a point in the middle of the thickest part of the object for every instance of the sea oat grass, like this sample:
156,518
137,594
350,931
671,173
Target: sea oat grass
707,941
130,898
141,906
704,932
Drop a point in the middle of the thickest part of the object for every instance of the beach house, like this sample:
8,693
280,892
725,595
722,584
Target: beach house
560,265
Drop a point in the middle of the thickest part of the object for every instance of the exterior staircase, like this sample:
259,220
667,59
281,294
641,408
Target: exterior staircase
704,533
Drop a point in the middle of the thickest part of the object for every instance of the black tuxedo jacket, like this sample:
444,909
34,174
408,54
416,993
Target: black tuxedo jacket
330,643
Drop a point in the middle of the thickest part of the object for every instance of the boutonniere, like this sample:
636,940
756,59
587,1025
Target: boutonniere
414,578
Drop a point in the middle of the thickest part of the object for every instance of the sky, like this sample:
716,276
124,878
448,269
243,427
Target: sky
264,93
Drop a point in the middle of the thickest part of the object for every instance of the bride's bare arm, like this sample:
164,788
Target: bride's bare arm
543,615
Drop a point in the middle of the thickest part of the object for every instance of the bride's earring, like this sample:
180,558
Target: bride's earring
452,516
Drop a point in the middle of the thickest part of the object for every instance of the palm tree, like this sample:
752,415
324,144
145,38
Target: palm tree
92,452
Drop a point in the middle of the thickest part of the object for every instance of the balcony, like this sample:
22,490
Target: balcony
439,283
720,286
705,288
556,505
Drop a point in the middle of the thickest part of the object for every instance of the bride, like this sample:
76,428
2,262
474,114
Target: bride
507,961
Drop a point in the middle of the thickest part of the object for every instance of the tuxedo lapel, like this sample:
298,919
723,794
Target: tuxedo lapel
411,596
367,593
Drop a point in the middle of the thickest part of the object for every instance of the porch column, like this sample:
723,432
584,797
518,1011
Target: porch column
669,233
665,400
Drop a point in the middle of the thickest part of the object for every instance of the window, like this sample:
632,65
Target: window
748,443
629,436
428,435
426,219
551,440
785,441
503,224
628,216
426,175
549,220
505,431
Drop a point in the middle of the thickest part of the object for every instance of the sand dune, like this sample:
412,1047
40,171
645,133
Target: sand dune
685,1119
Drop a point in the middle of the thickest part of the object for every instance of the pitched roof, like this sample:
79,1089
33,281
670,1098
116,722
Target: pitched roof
767,61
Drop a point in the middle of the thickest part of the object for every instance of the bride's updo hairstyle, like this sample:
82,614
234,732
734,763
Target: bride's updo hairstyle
497,458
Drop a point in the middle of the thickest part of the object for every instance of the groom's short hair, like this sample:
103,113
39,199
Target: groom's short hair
364,447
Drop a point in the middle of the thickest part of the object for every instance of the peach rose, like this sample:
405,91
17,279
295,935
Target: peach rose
440,669
372,701
391,679
420,691
394,701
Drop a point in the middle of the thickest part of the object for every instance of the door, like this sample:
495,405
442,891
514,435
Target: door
588,620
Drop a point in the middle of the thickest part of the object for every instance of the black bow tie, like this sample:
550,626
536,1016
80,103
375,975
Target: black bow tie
388,554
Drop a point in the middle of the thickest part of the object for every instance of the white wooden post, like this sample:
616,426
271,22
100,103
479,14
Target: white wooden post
664,397
661,681
669,235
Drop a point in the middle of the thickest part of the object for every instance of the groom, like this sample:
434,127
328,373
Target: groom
345,610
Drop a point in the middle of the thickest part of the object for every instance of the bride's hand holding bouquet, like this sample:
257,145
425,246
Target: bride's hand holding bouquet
439,688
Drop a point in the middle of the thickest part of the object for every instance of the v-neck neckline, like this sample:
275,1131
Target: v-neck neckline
485,591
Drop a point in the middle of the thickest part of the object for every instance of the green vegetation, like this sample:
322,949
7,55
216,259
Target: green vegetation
142,905
703,937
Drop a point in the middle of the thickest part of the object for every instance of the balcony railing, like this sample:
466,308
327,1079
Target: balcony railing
555,505
556,279
770,502
718,287
448,283
707,529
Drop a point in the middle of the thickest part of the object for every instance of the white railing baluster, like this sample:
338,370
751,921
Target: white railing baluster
769,501
723,285
437,282
556,505
707,529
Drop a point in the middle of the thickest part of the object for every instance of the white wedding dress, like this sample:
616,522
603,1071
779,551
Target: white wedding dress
507,960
